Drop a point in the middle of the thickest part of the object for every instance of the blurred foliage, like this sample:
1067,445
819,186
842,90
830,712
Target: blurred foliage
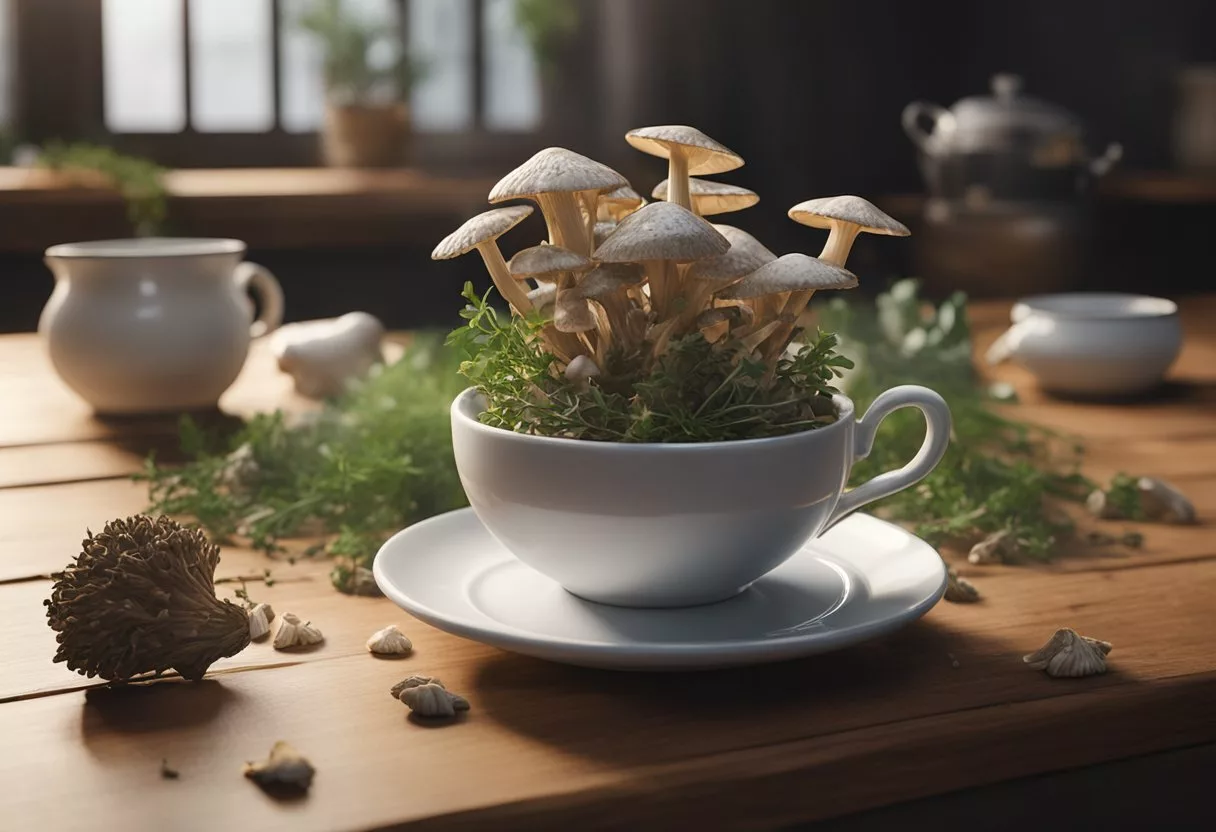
546,24
140,181
998,474
365,62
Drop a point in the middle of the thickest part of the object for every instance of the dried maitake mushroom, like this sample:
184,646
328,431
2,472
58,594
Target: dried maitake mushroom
293,632
1069,654
140,598
285,770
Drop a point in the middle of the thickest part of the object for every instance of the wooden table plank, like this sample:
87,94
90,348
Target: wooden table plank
615,731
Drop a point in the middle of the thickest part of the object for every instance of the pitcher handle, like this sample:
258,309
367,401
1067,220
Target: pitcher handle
918,111
937,437
251,277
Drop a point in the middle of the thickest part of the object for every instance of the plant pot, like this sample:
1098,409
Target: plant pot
365,136
673,525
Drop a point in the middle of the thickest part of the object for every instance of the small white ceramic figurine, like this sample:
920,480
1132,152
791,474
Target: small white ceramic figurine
323,356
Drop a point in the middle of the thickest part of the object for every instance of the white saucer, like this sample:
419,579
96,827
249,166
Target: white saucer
862,579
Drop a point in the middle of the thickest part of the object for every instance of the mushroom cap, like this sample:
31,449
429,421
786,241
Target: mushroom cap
621,202
709,197
791,273
556,170
746,254
602,231
581,368
546,259
704,154
543,295
572,313
823,212
486,226
607,278
662,231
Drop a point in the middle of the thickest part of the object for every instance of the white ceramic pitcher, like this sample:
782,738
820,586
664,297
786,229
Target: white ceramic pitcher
154,324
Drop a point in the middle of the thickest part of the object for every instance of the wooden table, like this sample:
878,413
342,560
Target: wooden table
944,705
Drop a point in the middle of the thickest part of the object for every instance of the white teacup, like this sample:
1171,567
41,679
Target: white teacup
671,525
154,324
1092,343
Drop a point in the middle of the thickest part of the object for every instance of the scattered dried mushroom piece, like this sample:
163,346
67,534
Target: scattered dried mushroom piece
992,549
1070,655
426,696
293,632
284,771
259,621
1144,498
389,642
412,682
960,590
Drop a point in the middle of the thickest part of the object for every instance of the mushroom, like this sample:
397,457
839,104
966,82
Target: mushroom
794,277
709,197
389,642
482,233
580,371
324,356
992,549
544,263
293,632
1071,655
285,770
1146,498
614,206
608,285
845,217
713,324
601,232
433,701
688,151
259,621
412,682
746,254
659,236
542,297
959,590
565,185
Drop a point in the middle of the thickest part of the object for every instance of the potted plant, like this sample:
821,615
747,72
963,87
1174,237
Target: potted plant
650,426
368,76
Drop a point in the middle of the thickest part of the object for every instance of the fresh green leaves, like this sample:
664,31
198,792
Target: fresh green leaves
695,392
370,463
997,474
140,181
365,61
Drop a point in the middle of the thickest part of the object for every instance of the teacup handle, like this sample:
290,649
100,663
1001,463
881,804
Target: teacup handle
937,437
251,277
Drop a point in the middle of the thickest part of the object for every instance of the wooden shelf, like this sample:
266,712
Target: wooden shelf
266,207
1162,186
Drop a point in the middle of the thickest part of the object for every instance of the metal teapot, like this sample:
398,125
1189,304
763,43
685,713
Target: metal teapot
1003,147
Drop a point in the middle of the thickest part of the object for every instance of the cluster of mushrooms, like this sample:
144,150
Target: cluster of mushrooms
619,277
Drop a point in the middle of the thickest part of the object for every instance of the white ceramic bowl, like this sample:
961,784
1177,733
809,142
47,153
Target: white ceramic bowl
1096,344
667,525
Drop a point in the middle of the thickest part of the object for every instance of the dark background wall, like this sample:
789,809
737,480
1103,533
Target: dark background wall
809,92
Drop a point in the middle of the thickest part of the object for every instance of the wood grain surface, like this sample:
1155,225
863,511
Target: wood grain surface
553,747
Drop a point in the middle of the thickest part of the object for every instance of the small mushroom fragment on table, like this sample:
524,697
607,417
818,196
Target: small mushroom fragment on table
845,217
426,696
323,357
293,632
659,236
1151,499
1070,655
259,621
688,151
959,590
710,197
389,642
284,772
482,233
992,549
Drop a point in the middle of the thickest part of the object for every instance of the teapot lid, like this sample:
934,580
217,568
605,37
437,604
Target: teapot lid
1006,118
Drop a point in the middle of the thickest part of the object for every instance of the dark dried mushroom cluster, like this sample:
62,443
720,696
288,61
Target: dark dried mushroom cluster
140,599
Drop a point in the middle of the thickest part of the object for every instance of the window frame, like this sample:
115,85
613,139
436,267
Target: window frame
59,43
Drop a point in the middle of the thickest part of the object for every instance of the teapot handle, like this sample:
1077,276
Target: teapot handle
251,277
918,111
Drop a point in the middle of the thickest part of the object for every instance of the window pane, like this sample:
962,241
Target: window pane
511,81
231,83
302,55
441,39
143,66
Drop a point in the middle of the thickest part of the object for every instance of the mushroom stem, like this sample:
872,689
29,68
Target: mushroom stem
840,242
565,221
656,275
677,179
507,286
589,199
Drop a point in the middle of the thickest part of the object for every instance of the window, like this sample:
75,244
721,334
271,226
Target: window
243,67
